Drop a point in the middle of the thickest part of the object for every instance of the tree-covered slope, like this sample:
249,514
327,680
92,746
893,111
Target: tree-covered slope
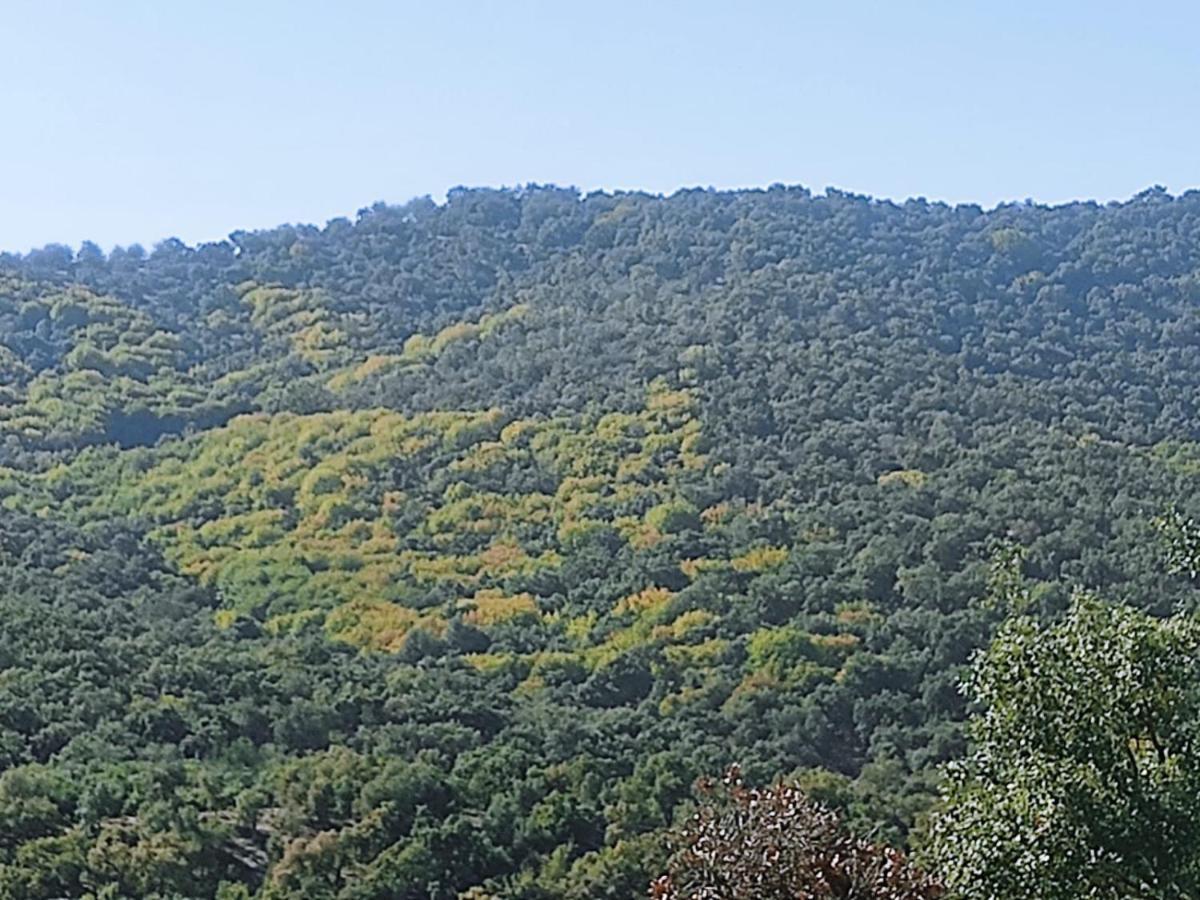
439,550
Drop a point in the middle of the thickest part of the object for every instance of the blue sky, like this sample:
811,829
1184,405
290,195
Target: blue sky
135,121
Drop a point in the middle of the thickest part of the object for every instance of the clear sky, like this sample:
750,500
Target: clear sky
134,121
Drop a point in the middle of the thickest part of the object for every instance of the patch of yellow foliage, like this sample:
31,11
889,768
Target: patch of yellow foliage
760,559
651,598
490,607
378,624
913,478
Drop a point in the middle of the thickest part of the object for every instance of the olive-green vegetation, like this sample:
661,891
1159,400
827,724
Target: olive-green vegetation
436,553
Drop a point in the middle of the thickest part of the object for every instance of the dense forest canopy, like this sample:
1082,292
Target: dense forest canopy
438,552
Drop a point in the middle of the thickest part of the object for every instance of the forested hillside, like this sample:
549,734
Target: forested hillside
437,552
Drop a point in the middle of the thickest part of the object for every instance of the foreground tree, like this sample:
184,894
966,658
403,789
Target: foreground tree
777,844
1084,778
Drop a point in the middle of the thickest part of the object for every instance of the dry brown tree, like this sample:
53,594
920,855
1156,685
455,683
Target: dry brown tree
776,843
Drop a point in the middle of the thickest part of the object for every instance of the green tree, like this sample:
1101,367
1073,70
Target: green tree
1084,776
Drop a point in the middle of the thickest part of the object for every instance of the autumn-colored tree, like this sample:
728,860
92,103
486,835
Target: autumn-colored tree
776,843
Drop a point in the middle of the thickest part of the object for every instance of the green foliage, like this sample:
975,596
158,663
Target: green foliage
1084,774
593,494
672,518
1181,538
